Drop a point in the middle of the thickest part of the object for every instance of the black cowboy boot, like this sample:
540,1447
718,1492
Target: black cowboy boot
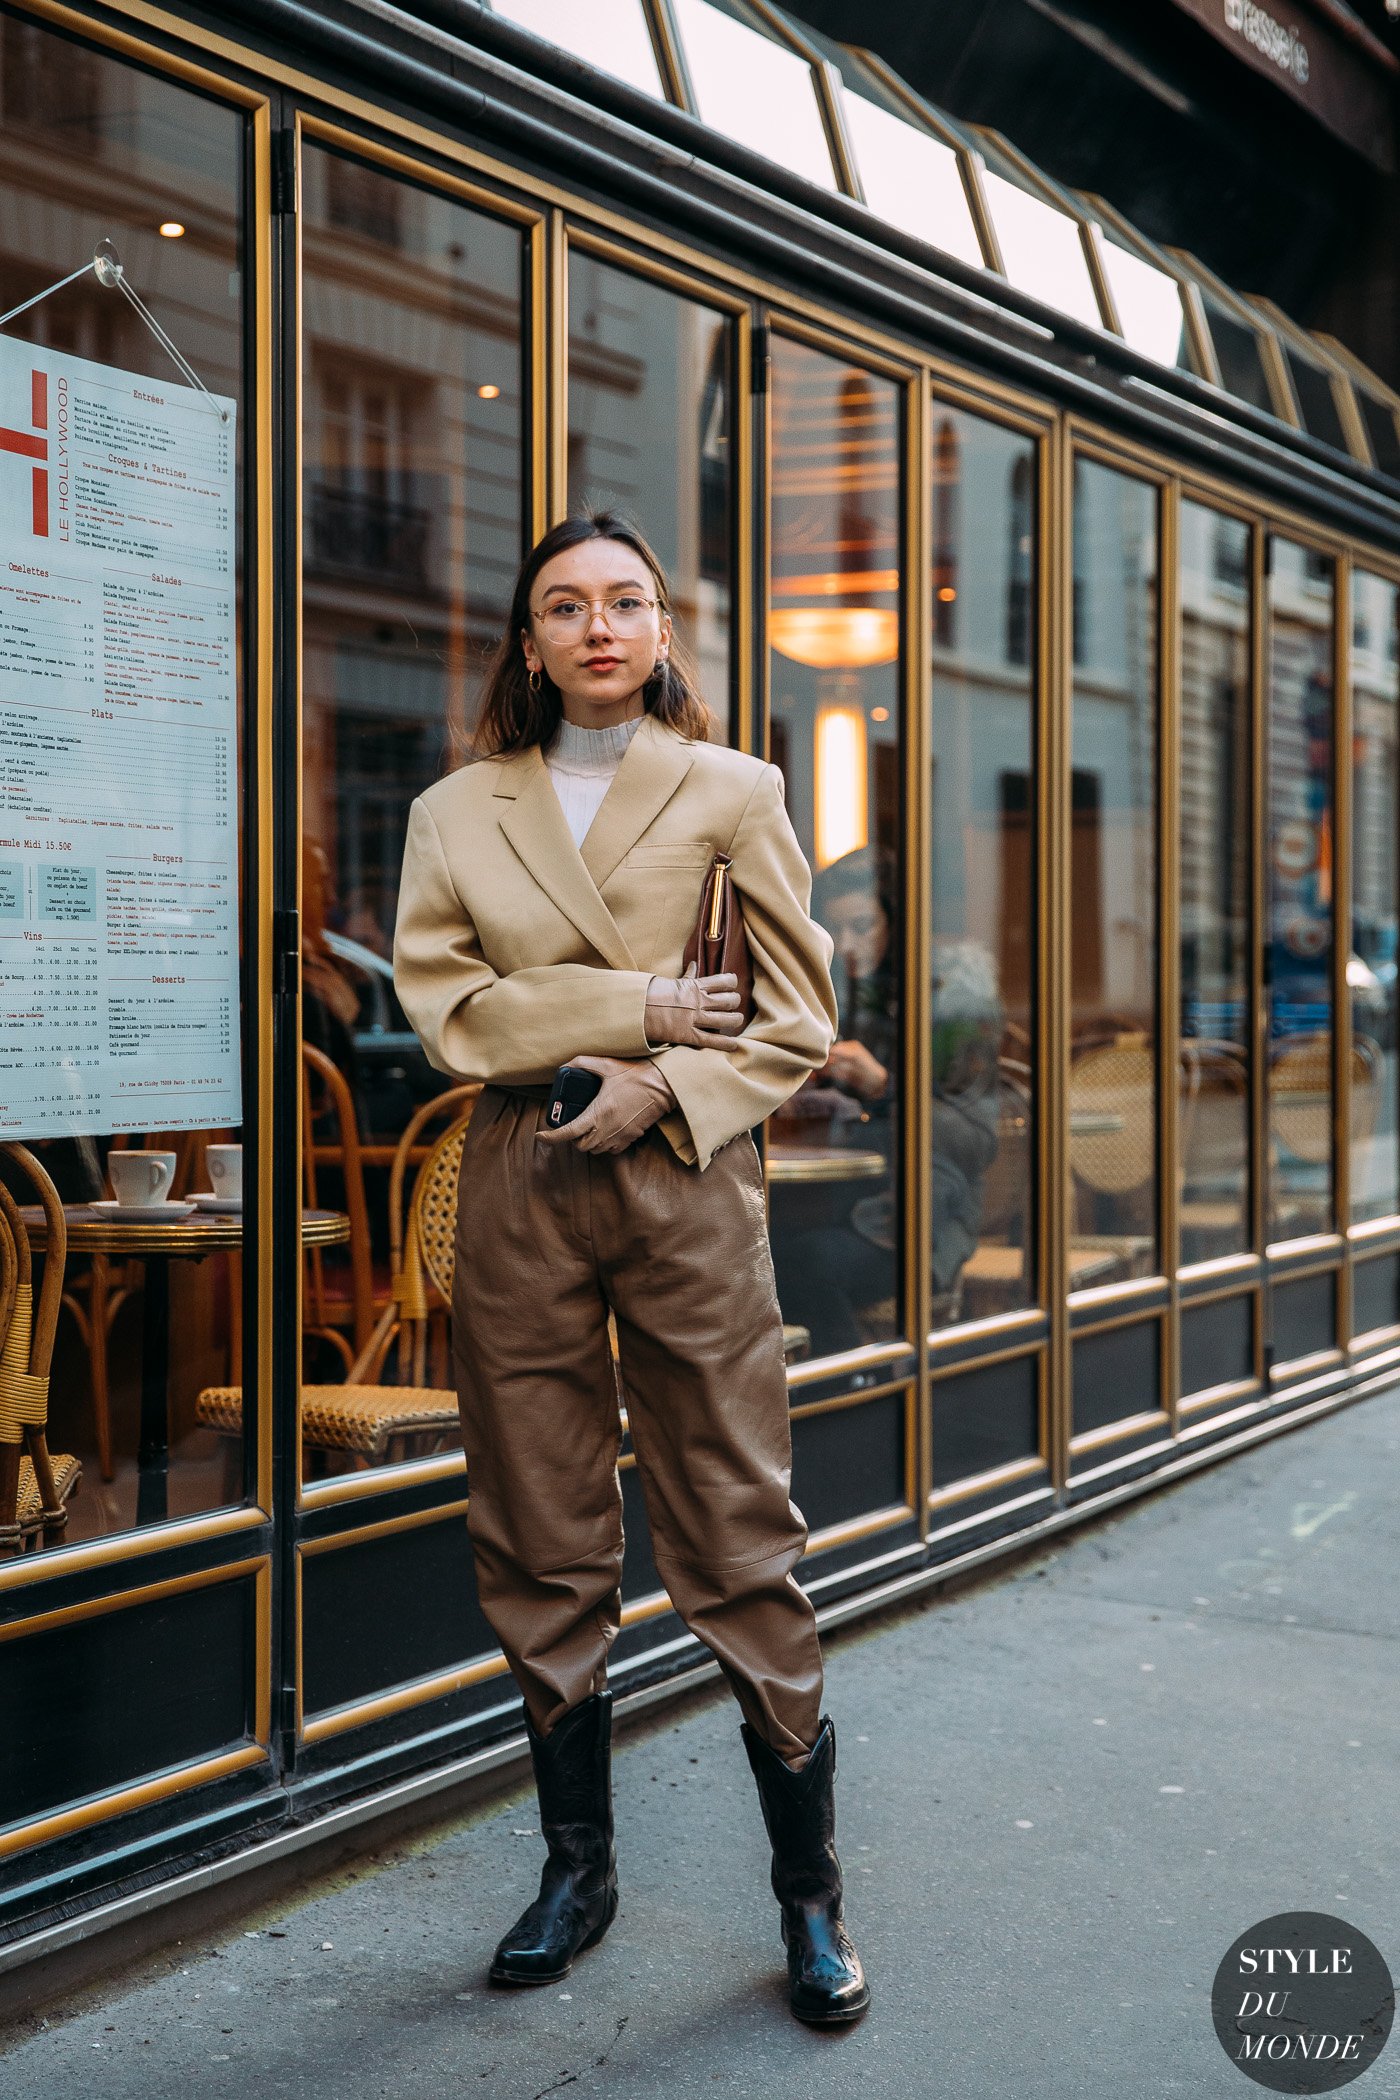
825,1980
578,1886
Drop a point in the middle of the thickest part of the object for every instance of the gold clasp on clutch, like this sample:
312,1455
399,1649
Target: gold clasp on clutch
716,899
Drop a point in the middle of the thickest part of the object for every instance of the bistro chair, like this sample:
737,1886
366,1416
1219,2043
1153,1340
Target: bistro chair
1214,1144
35,1484
369,1421
1113,1145
339,1305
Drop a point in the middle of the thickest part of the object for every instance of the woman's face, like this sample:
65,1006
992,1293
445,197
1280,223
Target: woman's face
592,631
858,926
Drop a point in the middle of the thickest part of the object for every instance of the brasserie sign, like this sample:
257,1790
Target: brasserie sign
1343,80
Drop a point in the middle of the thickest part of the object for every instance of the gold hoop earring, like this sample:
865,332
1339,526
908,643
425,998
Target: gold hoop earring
534,682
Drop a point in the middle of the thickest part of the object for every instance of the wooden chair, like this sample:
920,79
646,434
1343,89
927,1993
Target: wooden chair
339,1302
35,1485
368,1420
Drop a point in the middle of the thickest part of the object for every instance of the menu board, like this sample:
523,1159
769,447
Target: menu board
118,752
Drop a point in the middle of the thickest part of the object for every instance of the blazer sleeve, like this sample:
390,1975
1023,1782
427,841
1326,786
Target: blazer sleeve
476,1024
720,1093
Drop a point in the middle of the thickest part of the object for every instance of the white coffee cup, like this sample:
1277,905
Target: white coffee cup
141,1178
225,1163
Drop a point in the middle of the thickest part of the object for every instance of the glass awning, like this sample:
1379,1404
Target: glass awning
842,120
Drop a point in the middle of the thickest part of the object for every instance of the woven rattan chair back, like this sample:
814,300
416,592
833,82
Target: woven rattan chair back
34,1491
1112,1089
451,1107
434,1215
1300,1089
424,1283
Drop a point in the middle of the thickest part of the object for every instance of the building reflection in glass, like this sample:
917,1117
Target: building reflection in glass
1113,1074
412,529
835,731
1215,885
1375,897
1299,932
93,149
984,683
649,434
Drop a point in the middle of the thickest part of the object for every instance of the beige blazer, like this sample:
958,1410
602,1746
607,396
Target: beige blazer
515,950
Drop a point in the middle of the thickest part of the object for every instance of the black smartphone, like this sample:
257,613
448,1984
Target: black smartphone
573,1090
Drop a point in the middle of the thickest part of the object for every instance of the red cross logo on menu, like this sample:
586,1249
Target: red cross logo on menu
31,446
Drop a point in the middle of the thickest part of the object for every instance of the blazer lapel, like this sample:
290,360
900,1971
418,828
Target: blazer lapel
653,767
537,829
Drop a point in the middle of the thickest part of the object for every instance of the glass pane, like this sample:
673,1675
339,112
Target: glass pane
1042,250
123,1022
1316,402
757,92
1379,419
1149,306
1375,890
1113,884
984,856
911,179
649,432
412,532
835,732
1215,828
1300,891
1238,355
610,34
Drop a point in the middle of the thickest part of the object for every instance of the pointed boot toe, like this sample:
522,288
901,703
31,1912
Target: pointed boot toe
826,1982
578,1885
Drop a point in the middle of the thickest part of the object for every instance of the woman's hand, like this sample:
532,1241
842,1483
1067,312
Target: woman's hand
852,1066
634,1095
701,1011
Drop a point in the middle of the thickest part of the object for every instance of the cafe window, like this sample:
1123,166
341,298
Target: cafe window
984,887
128,1025
412,480
1299,930
650,423
1216,797
834,629
1373,967
1113,1072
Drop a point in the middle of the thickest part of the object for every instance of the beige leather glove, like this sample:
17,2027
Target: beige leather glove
634,1095
701,1011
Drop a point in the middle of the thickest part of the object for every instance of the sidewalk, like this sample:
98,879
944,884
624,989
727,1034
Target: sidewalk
1061,1797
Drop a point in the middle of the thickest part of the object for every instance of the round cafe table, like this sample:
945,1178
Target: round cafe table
190,1238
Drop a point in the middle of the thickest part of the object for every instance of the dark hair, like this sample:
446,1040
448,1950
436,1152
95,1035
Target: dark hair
512,716
865,871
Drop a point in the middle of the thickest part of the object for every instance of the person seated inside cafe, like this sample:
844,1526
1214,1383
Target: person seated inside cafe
838,1276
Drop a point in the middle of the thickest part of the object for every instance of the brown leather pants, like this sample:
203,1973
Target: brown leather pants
548,1238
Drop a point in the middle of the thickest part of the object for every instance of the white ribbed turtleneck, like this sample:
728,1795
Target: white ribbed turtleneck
582,763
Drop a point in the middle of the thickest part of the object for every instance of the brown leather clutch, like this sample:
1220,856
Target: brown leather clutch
718,940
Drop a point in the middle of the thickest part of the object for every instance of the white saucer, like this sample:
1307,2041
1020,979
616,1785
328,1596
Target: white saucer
168,1213
218,1206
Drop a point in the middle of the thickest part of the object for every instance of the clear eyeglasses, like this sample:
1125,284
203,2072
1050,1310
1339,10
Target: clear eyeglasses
568,618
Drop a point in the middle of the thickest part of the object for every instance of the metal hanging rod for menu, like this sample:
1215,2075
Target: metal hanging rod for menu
106,267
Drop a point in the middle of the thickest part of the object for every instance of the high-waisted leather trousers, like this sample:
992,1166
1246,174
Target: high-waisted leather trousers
548,1239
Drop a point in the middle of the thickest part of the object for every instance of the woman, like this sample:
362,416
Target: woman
549,887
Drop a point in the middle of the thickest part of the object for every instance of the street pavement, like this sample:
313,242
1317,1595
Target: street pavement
1062,1794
